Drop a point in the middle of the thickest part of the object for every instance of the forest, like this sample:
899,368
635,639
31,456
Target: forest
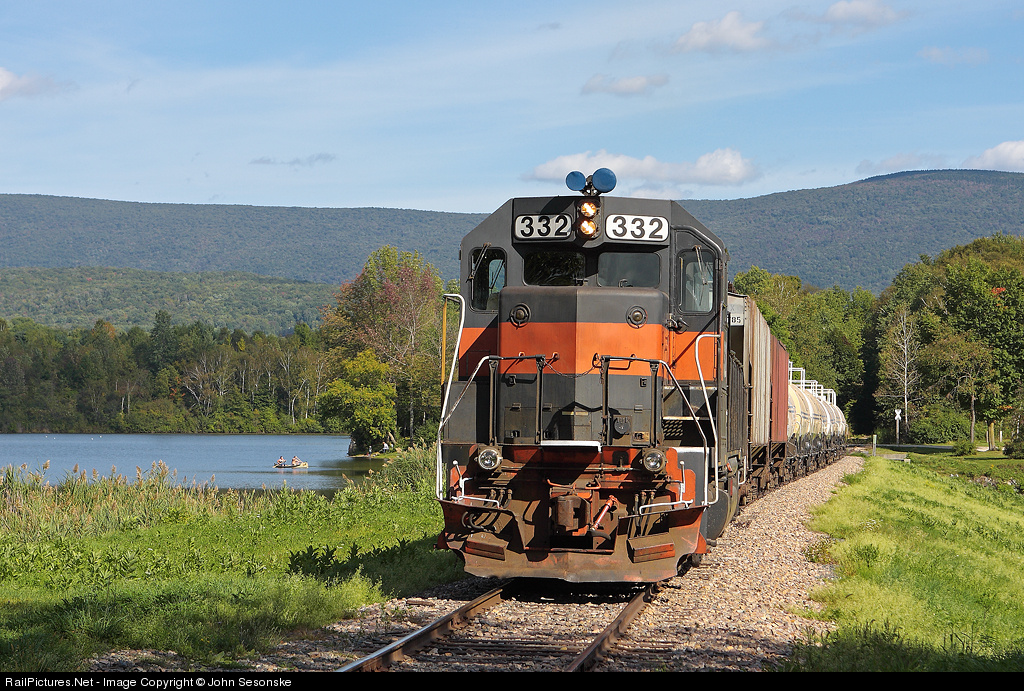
172,378
944,343
372,368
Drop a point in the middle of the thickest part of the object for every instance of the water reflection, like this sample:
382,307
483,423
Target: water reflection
234,461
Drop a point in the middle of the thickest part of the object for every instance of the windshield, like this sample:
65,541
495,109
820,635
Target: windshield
554,268
629,269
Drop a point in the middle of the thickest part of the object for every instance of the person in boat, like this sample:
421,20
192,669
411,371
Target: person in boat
280,461
296,461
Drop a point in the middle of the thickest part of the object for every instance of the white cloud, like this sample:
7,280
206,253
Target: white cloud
901,162
720,167
859,15
952,56
12,85
626,86
730,34
1006,156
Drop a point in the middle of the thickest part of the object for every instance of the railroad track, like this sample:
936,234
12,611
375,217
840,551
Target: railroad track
462,638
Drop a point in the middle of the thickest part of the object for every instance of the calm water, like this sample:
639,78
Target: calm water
232,461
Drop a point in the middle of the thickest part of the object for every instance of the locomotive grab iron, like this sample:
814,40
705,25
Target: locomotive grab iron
612,403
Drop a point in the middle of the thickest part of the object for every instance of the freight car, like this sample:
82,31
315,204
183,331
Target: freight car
612,403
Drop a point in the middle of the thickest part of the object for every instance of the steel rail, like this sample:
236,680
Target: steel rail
440,628
595,652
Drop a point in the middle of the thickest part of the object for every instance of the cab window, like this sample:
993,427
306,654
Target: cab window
488,278
629,269
554,268
696,281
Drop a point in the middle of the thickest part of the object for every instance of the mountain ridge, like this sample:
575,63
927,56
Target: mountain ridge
857,234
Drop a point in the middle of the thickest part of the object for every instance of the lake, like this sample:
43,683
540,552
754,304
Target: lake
229,461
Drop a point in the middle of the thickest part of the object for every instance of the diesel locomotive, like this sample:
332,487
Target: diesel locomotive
612,403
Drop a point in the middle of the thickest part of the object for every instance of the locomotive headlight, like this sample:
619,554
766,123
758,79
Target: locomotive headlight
588,228
586,217
488,458
654,461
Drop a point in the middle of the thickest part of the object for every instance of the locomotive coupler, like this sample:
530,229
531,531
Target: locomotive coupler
568,511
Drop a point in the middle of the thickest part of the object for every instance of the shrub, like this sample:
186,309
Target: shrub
411,469
1015,447
938,424
964,447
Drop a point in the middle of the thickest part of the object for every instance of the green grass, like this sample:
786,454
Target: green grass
89,565
988,467
931,568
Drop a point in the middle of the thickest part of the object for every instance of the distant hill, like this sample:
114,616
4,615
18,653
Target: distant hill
77,297
856,234
863,233
322,245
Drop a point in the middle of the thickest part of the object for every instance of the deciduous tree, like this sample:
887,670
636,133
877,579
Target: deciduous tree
363,399
393,308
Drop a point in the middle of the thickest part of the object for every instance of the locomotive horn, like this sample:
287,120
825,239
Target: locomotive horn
603,180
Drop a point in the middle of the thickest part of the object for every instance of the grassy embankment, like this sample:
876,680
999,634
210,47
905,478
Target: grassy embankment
930,559
931,564
92,564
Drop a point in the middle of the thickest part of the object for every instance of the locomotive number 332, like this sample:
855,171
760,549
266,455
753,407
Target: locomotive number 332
637,228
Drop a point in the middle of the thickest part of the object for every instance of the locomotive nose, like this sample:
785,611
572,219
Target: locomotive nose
553,340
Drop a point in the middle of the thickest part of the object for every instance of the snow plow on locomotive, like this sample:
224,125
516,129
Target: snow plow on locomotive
611,403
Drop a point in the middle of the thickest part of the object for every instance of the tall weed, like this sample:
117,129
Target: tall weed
93,563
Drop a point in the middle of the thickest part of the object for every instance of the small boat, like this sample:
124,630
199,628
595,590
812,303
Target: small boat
291,464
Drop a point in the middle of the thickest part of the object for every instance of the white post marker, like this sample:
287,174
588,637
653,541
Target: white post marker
898,411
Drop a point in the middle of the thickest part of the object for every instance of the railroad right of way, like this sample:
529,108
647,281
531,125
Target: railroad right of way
734,612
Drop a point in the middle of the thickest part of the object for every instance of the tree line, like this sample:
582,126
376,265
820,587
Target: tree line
943,344
173,378
372,368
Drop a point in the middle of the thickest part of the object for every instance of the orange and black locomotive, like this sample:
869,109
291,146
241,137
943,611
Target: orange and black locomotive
611,401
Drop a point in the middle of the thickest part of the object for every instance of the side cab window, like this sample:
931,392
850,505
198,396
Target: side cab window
488,278
696,280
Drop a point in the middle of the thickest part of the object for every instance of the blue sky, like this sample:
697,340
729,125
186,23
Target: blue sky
458,106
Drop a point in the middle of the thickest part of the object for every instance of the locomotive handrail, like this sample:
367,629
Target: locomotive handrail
605,364
439,480
463,499
458,343
485,358
541,359
703,386
682,490
707,401
693,413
